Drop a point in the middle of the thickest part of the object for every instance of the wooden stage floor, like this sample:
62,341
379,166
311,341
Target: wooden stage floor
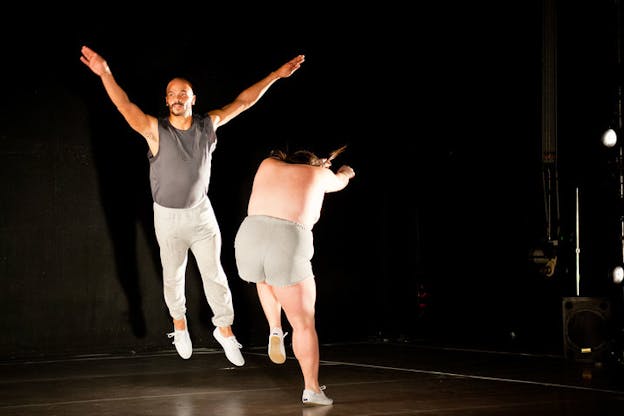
369,378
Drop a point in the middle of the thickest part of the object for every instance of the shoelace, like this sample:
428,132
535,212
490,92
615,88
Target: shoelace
171,335
277,335
234,341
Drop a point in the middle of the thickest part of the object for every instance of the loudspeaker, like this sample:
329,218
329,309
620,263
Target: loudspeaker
586,328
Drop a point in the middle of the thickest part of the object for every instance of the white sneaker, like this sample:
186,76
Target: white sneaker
277,352
231,347
311,398
182,342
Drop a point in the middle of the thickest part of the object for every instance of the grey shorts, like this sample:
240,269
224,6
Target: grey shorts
273,250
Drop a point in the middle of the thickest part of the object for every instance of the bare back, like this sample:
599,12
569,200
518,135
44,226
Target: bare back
293,192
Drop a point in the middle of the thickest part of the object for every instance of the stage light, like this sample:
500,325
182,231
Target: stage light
609,138
618,275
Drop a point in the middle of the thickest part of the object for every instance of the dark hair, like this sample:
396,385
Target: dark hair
304,157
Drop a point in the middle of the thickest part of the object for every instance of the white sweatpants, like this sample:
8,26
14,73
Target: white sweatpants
177,231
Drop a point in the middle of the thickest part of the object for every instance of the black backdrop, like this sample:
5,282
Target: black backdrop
439,104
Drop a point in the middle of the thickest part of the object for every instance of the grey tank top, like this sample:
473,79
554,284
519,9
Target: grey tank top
180,171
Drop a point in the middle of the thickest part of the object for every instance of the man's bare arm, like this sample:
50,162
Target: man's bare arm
144,124
251,95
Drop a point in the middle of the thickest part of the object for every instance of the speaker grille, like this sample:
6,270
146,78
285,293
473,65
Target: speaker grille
586,328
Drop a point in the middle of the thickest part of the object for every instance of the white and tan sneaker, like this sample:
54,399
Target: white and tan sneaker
277,352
